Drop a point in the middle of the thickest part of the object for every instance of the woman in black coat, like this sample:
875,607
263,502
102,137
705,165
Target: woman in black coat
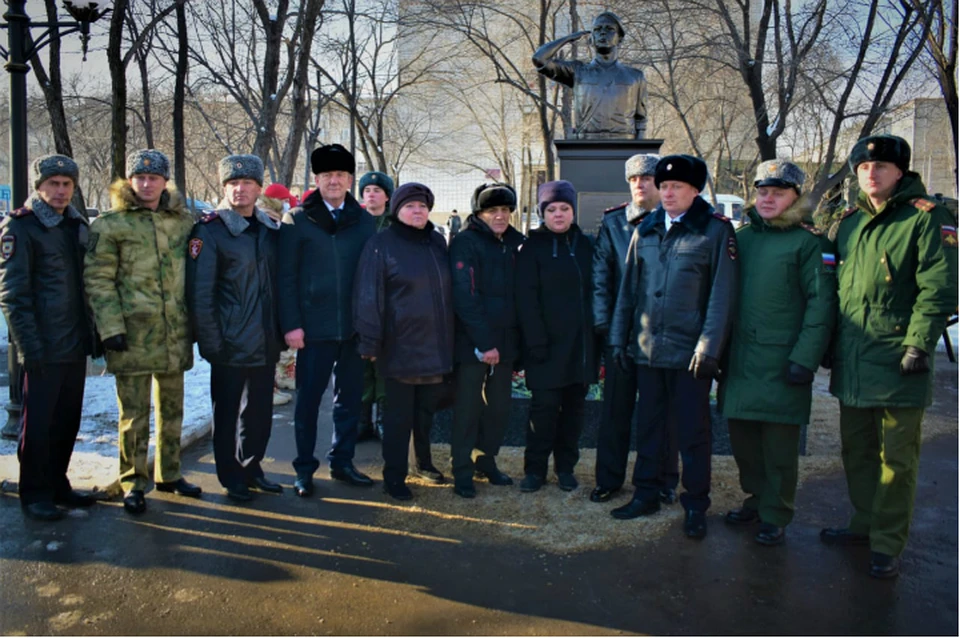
553,294
403,314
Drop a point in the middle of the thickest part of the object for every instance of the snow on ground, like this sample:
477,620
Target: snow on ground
95,458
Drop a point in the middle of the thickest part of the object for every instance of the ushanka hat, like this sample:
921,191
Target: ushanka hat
681,168
43,168
148,161
777,172
495,194
332,157
881,148
642,164
241,167
376,178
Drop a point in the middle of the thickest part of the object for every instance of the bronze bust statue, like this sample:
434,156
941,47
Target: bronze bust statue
609,98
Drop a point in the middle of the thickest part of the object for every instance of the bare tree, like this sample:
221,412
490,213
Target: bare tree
942,24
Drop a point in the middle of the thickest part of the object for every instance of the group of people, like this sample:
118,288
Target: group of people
667,293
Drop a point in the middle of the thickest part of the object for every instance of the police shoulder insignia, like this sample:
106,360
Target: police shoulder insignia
949,235
732,248
617,207
208,217
722,217
21,212
196,245
924,204
811,228
8,246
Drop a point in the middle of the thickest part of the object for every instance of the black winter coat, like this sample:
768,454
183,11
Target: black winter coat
318,260
41,284
609,256
679,289
403,302
483,269
232,289
553,292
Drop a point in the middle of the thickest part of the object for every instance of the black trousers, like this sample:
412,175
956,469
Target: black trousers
242,420
673,399
480,416
556,420
409,409
49,422
617,418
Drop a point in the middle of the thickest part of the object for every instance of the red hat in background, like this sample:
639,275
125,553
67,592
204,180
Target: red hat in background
281,192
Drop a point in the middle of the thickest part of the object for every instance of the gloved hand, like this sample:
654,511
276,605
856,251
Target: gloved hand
602,329
622,359
538,354
704,366
914,361
116,343
798,374
33,366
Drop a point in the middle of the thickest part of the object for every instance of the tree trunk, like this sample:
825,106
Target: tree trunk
118,83
270,101
179,97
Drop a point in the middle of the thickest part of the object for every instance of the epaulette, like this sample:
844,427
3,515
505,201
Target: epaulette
924,204
617,207
723,217
811,228
208,217
848,212
21,212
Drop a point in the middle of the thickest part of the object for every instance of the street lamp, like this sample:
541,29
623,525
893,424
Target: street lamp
21,47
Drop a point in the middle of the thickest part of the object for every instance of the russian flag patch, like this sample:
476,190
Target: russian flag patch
829,261
949,235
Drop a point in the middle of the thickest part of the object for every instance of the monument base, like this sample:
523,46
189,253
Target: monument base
595,168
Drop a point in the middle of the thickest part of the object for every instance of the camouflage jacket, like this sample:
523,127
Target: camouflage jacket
135,274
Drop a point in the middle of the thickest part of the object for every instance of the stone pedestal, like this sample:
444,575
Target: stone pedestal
595,168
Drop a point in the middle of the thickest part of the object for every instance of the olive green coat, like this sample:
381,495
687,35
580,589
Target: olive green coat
135,272
785,313
897,272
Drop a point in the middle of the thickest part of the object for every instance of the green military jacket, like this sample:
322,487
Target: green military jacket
897,271
135,275
786,313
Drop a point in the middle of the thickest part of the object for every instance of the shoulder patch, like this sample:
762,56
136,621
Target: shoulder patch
196,245
949,235
722,217
8,246
617,207
811,228
924,204
208,217
20,212
732,248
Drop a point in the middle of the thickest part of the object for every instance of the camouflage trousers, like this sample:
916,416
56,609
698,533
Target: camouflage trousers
133,397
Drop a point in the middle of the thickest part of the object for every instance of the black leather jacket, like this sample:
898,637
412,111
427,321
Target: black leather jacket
679,289
403,302
232,289
41,284
609,256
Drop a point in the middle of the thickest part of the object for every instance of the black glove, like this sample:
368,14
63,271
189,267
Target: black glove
116,343
798,374
914,361
602,329
622,359
33,366
538,354
704,366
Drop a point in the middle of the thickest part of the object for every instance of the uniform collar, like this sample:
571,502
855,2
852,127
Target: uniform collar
49,217
235,222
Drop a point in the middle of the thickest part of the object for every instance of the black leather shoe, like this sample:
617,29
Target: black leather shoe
668,496
264,484
636,508
134,502
531,483
601,494
240,493
842,536
303,487
884,565
429,473
73,499
495,477
567,481
42,511
351,476
695,524
742,516
181,487
398,491
464,489
770,535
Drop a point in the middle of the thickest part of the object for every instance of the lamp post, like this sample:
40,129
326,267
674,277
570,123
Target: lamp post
21,47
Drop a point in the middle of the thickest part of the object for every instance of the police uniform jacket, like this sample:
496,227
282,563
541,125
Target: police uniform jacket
41,283
785,313
679,289
318,260
482,267
609,255
553,292
232,289
897,274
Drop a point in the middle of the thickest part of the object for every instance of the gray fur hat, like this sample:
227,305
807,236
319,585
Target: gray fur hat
150,161
778,172
49,166
241,167
642,164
